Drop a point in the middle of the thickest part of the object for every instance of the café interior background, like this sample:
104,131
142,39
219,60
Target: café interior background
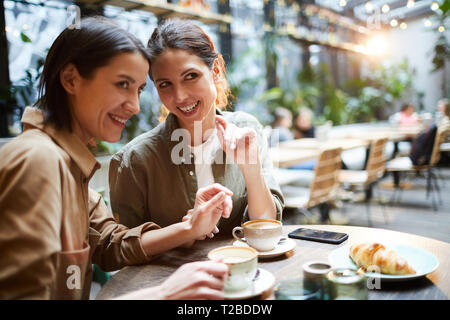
351,46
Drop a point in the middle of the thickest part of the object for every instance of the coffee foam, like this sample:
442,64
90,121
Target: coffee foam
262,225
233,259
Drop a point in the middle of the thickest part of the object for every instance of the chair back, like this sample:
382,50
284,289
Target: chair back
441,135
376,163
325,181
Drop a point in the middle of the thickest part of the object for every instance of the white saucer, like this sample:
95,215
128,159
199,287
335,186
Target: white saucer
264,281
285,245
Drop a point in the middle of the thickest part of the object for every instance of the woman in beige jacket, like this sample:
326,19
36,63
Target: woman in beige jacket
52,226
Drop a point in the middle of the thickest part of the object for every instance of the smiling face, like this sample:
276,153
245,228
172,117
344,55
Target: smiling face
186,86
102,104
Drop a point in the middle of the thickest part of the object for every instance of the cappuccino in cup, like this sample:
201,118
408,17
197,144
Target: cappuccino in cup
263,235
242,263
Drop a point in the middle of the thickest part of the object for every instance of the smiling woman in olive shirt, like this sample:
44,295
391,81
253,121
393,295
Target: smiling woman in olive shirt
52,226
156,176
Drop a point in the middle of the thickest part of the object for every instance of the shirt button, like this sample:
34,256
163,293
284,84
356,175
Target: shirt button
191,173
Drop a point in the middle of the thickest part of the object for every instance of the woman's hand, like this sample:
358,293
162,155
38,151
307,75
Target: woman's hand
191,281
240,144
191,243
196,280
211,203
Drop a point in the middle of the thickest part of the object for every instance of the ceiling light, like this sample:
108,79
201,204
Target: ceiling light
427,23
369,6
441,28
434,6
342,3
385,8
394,23
410,3
403,25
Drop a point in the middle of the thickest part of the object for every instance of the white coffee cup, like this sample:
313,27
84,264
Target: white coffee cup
242,263
263,234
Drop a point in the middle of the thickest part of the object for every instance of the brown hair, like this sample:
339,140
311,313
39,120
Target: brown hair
185,35
89,47
446,106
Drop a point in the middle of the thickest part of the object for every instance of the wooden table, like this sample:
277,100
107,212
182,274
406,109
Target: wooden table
369,132
293,152
347,137
285,157
435,286
313,143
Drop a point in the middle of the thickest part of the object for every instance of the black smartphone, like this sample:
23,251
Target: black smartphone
318,235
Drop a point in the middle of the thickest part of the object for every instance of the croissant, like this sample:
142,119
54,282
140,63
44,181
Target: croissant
376,257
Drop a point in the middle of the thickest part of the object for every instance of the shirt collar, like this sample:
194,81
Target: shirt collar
69,142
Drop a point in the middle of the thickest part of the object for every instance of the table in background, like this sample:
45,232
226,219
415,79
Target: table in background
435,286
313,143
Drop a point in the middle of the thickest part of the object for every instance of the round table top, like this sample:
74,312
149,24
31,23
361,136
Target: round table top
434,286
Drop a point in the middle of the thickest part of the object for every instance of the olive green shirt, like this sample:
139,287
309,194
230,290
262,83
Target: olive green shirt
147,185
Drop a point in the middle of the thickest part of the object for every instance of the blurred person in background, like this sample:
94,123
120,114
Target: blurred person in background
443,108
281,125
406,116
303,127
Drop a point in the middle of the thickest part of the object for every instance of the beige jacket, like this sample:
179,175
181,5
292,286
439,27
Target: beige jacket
52,226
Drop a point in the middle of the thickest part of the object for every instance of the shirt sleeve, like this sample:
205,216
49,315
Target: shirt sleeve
30,222
126,196
114,245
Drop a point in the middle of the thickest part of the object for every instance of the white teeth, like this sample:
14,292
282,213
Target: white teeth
118,119
188,108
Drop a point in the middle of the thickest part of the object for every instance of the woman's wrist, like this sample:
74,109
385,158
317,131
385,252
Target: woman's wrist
250,171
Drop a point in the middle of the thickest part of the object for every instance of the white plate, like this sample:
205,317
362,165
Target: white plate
263,282
422,261
285,245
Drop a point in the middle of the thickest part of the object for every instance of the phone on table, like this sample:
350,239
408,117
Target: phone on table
318,235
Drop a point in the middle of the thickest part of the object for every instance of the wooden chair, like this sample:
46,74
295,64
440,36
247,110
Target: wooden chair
367,179
404,165
322,188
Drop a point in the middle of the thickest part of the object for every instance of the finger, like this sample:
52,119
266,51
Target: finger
215,188
230,137
215,268
220,120
201,238
228,207
221,135
216,230
211,235
215,202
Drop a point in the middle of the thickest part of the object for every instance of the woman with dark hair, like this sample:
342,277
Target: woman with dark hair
52,226
303,127
281,125
155,177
